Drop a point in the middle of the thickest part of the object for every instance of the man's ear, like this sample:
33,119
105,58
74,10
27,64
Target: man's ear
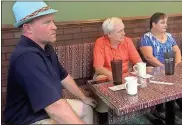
109,35
27,28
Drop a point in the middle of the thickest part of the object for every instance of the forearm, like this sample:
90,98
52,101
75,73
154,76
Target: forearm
71,86
62,113
178,57
154,61
103,71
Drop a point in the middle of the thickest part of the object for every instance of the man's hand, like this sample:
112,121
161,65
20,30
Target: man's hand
89,101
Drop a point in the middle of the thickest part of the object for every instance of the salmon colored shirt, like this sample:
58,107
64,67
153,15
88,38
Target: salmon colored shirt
104,53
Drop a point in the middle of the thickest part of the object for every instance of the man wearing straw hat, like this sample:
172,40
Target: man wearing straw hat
35,76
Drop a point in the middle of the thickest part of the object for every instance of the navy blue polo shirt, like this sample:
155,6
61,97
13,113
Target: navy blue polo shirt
33,82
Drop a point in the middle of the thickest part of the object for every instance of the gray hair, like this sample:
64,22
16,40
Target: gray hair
109,24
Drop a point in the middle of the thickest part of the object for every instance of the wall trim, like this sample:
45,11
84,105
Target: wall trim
90,21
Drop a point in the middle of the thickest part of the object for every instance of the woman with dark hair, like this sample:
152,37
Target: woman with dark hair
155,43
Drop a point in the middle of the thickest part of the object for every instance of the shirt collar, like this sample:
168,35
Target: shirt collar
107,42
30,43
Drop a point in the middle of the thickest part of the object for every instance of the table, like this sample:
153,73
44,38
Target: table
153,94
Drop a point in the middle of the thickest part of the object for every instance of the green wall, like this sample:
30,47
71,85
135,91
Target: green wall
98,10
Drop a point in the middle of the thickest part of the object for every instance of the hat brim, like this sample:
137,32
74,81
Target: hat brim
50,11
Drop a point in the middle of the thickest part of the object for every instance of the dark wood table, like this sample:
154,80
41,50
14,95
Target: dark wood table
149,96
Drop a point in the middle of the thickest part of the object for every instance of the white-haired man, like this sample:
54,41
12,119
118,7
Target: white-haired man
35,77
113,45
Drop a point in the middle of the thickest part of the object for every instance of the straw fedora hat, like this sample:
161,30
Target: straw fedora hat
25,11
